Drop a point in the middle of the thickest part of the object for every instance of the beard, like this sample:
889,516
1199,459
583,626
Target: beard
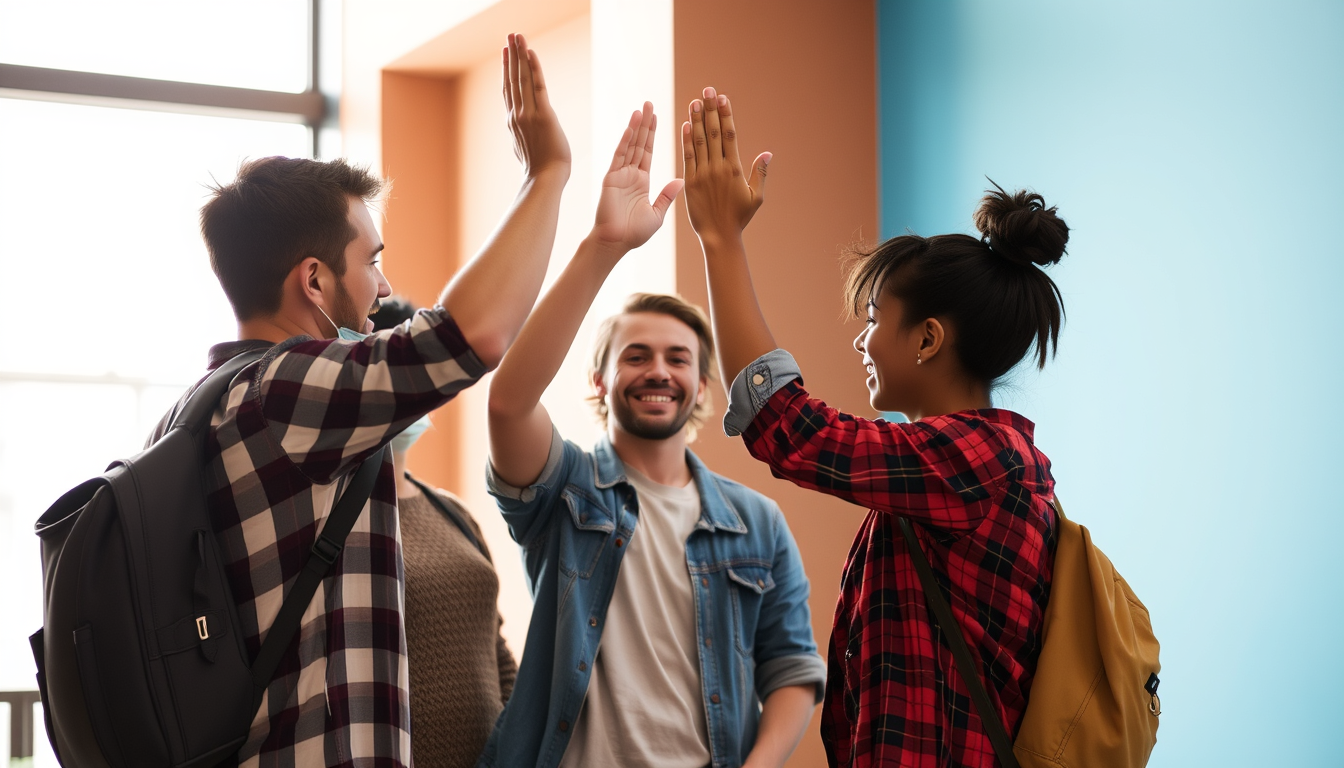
344,312
652,428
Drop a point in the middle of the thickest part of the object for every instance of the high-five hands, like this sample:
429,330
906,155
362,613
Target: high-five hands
719,198
538,139
625,217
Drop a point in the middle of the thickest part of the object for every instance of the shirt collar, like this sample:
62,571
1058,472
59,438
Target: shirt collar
715,509
225,351
1002,416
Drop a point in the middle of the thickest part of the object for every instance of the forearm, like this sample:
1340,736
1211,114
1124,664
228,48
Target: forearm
519,425
491,296
784,717
740,330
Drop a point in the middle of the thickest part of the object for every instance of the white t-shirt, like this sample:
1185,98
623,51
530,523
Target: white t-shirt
645,704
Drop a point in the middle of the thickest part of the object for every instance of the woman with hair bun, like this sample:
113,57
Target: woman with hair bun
948,316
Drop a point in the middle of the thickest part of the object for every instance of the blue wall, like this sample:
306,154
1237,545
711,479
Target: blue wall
1193,414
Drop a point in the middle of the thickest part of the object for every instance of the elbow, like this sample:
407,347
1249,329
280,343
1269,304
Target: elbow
489,346
501,406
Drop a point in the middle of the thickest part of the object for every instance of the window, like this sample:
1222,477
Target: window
114,119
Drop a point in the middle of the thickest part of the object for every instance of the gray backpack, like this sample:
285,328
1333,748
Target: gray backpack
140,659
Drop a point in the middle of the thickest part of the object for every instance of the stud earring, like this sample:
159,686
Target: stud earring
918,361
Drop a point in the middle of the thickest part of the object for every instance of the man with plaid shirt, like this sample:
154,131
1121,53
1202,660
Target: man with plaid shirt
296,251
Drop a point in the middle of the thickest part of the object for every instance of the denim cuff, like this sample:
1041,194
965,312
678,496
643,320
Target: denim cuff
497,487
754,385
802,669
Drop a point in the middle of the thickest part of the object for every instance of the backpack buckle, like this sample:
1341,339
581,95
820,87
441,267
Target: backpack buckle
1154,706
326,549
202,631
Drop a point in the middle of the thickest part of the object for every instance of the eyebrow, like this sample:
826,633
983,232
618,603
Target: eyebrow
377,250
646,348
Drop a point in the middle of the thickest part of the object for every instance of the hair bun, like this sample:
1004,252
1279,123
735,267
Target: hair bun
1020,228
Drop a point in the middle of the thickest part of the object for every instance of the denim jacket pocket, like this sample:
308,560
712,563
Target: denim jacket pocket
750,583
584,535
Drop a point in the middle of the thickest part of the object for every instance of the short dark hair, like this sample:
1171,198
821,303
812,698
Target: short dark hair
992,290
661,304
277,212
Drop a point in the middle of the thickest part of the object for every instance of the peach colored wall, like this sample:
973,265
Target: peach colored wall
802,79
422,100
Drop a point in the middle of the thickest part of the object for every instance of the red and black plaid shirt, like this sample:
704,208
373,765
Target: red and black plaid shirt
978,491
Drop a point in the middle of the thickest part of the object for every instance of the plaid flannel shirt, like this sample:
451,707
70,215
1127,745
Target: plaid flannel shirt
283,441
978,492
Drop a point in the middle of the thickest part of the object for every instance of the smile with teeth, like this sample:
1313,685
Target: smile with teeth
654,399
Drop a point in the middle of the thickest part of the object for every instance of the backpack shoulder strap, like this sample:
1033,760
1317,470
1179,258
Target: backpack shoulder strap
202,400
961,654
451,514
324,552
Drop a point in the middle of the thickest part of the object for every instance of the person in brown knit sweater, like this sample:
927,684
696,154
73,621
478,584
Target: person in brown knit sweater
461,670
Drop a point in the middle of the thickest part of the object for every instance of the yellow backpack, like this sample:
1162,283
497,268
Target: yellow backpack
1093,701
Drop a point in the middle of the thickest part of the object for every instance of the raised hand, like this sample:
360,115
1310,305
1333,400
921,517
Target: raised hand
625,217
538,139
720,199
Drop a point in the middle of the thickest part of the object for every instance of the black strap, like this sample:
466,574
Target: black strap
451,514
323,554
965,663
195,413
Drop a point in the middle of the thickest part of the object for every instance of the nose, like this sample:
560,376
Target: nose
858,341
384,287
657,370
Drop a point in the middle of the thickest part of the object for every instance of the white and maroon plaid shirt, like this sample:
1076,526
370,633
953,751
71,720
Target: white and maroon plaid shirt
283,440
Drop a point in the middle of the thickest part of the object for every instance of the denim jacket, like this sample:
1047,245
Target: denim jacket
752,620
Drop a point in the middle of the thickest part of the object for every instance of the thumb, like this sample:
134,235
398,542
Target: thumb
666,197
757,179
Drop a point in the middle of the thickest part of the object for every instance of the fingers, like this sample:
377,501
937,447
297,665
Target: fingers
687,152
508,81
623,146
757,180
526,86
646,159
636,155
515,93
713,132
698,133
665,198
729,129
540,95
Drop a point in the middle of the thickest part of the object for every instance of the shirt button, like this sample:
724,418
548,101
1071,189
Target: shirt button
758,379
564,725
704,582
592,622
709,642
760,583
583,518
620,542
583,666
714,699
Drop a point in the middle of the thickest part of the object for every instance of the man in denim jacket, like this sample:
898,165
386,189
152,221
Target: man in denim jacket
670,625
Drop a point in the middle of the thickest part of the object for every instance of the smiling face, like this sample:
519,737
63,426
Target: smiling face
890,354
651,382
358,290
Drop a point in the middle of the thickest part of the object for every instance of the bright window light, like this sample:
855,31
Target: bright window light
243,43
111,300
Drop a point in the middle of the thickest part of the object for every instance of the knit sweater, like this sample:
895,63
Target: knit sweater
461,670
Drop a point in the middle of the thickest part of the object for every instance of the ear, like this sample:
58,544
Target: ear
599,387
931,338
312,274
700,392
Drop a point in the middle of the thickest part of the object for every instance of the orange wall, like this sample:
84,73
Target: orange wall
801,76
802,79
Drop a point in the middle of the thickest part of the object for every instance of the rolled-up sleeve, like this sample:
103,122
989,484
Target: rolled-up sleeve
754,385
522,507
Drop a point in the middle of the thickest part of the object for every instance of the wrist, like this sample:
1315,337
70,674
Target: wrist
552,173
714,241
604,250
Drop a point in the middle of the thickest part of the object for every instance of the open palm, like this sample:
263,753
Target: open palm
625,216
